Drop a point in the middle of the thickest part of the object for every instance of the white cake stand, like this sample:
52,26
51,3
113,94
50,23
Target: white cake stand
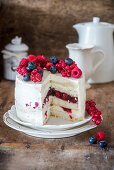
46,133
52,124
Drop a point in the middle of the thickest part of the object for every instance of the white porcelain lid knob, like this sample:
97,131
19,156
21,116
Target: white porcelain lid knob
16,45
17,40
96,20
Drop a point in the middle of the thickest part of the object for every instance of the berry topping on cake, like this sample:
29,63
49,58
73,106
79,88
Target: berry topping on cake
40,72
69,61
48,65
67,68
54,60
41,61
22,70
26,77
76,73
23,62
53,69
35,76
31,65
31,58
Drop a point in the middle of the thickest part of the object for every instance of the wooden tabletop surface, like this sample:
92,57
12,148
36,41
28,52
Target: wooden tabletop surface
19,151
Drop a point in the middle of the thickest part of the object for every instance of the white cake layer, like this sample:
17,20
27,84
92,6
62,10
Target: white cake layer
28,93
62,103
59,112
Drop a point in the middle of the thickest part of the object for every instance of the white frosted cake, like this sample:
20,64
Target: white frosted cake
36,98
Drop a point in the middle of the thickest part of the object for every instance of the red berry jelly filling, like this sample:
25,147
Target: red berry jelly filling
67,110
60,95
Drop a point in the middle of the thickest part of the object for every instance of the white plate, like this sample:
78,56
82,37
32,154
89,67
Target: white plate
45,133
52,124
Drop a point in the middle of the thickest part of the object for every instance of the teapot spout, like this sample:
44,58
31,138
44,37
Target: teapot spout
78,28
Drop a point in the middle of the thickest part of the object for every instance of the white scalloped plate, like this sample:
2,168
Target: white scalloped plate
52,124
45,133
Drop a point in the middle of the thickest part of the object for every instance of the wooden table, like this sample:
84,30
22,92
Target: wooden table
22,152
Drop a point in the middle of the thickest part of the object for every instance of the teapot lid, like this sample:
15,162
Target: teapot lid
95,22
16,45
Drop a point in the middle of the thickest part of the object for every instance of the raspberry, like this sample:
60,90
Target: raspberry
22,71
76,73
41,61
48,65
31,58
23,62
100,136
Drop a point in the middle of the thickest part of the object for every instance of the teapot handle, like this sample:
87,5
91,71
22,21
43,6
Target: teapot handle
98,50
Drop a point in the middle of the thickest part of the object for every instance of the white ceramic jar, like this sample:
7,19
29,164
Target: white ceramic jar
12,54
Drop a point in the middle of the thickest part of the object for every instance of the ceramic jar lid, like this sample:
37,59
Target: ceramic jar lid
16,45
95,22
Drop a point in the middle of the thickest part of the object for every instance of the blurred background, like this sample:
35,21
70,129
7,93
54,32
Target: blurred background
46,25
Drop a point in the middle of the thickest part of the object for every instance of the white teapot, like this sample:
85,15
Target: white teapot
99,34
84,56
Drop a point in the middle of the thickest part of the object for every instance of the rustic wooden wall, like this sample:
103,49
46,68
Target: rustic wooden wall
46,25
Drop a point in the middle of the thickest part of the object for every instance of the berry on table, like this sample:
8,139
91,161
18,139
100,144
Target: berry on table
69,61
98,121
53,69
54,60
92,140
26,77
100,136
102,144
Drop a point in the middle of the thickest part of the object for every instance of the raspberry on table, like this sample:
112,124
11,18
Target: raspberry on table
100,136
